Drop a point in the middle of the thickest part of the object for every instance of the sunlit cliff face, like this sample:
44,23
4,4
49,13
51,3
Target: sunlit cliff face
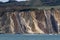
31,22
28,22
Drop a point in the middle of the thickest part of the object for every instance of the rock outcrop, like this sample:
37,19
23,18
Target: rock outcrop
30,21
17,18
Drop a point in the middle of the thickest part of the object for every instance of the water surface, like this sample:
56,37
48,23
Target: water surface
29,37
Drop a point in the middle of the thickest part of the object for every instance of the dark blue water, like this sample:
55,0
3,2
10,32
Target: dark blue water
28,37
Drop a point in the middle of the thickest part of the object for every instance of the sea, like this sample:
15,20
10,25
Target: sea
29,37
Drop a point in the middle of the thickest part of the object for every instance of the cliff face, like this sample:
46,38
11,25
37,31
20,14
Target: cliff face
32,21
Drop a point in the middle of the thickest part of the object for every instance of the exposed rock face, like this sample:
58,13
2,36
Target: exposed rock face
26,22
35,21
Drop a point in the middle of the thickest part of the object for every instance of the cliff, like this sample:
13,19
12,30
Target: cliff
24,19
30,21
